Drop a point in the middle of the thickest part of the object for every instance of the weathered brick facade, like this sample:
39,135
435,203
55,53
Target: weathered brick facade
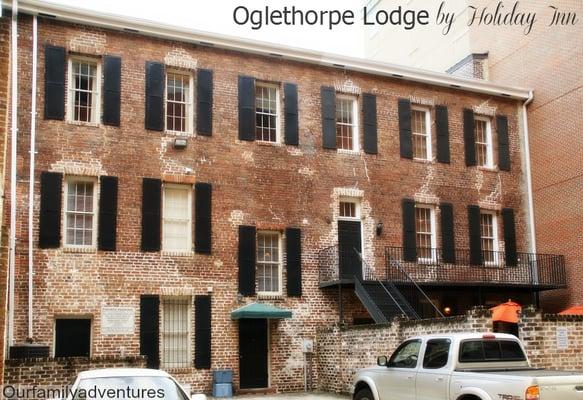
342,351
269,186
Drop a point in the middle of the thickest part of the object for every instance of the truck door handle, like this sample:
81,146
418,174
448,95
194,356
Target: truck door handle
438,379
410,377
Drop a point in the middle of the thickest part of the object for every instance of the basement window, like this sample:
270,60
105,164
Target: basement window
72,337
179,99
80,212
266,112
346,123
269,269
483,132
176,332
84,90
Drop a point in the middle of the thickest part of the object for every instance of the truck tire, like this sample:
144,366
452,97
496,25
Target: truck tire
364,394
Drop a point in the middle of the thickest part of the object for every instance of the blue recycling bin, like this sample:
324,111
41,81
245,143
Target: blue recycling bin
223,383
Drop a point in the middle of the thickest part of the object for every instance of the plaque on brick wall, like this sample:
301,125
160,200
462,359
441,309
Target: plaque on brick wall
562,338
117,320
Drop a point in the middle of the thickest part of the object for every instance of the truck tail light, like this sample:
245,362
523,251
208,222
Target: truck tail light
532,393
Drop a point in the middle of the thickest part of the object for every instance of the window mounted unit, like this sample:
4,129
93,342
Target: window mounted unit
80,213
176,322
421,131
177,218
179,99
267,112
425,231
483,131
346,123
84,90
489,237
269,271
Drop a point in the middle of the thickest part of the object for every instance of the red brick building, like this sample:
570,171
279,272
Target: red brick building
205,201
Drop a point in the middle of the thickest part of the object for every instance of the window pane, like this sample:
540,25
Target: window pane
482,142
424,228
345,126
347,209
268,262
79,213
175,332
84,88
421,134
177,102
176,229
266,113
436,354
488,237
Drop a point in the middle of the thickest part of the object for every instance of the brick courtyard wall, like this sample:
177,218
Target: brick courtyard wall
341,351
60,371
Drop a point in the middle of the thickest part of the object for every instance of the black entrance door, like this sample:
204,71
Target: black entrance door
253,353
349,238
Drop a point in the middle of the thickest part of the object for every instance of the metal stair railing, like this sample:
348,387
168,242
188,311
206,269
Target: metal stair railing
374,310
395,263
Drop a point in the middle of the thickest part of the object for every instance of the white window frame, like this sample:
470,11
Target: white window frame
489,144
355,123
96,107
188,189
96,191
427,134
357,214
279,263
433,233
190,98
496,246
188,300
277,111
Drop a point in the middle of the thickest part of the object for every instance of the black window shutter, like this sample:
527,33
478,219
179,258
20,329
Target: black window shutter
50,210
204,102
447,233
150,330
202,217
469,138
503,143
155,82
202,332
72,337
328,100
246,108
405,136
54,82
409,236
111,90
151,205
442,129
247,250
509,237
475,235
293,240
290,92
106,238
369,113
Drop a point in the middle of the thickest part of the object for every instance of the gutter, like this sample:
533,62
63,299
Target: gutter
528,174
275,51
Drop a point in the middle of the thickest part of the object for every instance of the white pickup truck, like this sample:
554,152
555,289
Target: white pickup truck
468,366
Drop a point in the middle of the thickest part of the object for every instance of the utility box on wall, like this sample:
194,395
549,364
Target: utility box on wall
308,346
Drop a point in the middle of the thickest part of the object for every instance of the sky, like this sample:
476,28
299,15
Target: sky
217,16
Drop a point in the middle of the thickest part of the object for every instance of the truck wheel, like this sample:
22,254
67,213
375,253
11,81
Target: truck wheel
364,394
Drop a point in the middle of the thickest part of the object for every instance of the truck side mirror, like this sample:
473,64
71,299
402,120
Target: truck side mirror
382,361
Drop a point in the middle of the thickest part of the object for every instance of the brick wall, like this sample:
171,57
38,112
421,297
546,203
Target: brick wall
60,371
341,351
269,186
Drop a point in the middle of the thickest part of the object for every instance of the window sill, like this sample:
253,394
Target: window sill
81,123
348,152
488,169
266,143
177,253
423,160
79,250
269,296
179,370
179,134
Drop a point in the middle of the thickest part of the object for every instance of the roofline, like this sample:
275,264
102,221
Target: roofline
159,30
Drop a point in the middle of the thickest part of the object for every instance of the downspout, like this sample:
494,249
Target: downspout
13,154
31,178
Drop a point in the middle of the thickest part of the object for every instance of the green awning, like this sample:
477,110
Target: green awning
260,310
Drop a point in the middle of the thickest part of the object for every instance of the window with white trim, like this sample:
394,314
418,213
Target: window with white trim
426,232
421,130
84,89
266,112
346,123
489,236
348,209
269,269
483,131
176,332
177,218
80,212
179,99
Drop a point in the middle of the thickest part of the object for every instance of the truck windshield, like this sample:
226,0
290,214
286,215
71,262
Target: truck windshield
490,350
